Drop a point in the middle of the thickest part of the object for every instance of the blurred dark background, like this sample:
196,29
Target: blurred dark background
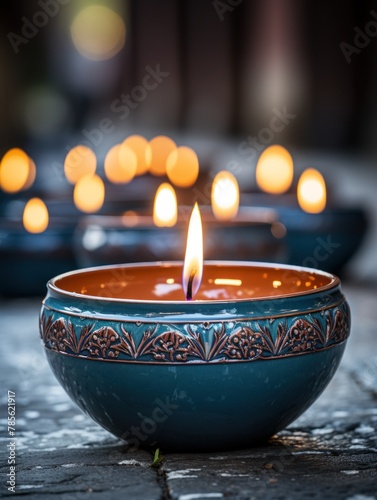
227,67
229,64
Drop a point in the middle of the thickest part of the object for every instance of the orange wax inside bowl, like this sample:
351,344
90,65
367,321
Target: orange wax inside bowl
221,281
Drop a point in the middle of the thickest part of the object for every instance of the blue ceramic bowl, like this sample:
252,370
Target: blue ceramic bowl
224,371
28,260
327,240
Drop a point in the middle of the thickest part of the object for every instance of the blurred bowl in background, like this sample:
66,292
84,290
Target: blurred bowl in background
101,240
27,260
327,240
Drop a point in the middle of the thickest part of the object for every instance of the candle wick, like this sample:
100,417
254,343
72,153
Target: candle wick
189,285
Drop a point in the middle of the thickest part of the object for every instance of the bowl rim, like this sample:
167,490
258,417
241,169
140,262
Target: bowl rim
334,283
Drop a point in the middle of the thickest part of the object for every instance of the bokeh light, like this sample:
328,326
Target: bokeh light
311,191
31,176
80,161
120,172
15,170
182,167
35,216
98,33
130,218
274,173
89,193
139,145
158,151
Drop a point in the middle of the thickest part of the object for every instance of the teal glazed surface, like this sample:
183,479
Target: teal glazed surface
205,375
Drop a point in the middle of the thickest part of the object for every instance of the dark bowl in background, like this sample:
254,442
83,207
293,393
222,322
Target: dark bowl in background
27,260
102,240
325,241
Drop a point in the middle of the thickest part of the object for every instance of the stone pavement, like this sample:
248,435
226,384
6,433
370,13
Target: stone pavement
329,452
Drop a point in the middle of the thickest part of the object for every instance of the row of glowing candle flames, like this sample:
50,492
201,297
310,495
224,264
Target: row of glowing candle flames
161,156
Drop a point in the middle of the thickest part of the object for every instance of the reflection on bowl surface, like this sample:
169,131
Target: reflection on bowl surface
225,371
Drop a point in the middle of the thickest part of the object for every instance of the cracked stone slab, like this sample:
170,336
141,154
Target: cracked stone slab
100,470
291,465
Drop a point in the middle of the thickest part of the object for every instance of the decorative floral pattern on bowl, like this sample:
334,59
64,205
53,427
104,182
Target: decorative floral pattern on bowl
197,343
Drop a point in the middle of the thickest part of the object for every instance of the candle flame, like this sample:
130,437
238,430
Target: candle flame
89,193
311,191
274,173
225,196
193,265
35,216
165,206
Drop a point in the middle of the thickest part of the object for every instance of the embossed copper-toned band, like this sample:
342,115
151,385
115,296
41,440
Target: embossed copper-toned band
222,341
